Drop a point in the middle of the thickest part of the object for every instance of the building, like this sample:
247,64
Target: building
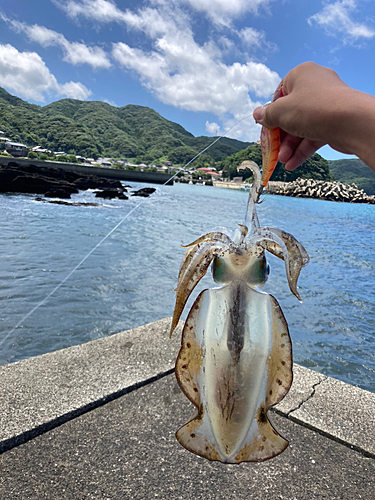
16,149
40,150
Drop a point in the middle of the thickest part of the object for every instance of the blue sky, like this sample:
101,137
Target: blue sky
202,63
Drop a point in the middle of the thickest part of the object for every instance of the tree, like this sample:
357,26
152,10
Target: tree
181,155
315,167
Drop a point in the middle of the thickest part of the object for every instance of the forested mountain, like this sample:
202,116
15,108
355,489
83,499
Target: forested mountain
94,128
354,170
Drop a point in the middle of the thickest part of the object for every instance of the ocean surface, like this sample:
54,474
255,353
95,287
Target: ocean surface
129,279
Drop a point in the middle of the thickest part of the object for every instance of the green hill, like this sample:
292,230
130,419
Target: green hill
93,129
353,170
315,167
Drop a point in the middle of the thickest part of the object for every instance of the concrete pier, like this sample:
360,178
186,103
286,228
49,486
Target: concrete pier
109,173
98,421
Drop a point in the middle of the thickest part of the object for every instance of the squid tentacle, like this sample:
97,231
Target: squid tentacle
188,257
266,240
189,254
291,243
213,236
194,272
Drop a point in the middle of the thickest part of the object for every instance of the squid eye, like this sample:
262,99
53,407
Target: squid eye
220,272
259,271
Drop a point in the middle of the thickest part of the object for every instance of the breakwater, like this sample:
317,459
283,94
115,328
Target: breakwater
109,173
322,190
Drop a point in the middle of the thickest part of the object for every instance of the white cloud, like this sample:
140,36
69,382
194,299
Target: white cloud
224,11
182,72
74,52
219,11
213,128
336,18
74,90
185,74
99,10
184,78
26,74
253,38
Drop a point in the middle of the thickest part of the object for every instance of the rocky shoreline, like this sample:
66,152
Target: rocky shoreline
322,190
58,183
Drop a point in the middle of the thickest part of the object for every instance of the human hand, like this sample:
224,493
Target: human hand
311,113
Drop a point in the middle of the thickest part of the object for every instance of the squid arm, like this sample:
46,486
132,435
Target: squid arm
192,276
292,244
189,254
294,260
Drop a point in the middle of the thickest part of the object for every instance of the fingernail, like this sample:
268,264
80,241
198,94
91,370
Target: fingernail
258,114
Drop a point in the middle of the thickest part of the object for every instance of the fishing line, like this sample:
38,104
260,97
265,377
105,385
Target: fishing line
42,302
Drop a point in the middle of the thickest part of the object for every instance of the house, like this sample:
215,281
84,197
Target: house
16,149
39,149
104,162
164,169
128,164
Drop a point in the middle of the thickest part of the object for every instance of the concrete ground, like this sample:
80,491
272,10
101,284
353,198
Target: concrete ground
98,421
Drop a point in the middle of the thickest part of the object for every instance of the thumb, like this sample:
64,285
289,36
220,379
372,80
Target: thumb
269,115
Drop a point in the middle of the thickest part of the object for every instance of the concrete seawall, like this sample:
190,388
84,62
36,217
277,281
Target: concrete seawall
113,387
109,173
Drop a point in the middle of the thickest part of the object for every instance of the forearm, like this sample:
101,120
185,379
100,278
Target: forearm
360,127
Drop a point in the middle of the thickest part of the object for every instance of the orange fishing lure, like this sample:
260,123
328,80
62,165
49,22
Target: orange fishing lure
270,143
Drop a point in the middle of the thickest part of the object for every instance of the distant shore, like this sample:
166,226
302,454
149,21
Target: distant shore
308,188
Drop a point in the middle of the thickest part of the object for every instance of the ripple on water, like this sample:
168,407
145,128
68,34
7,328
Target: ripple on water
129,279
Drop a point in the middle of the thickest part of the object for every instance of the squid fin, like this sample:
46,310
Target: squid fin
190,357
191,437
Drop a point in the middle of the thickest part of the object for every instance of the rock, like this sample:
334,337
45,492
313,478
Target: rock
57,193
310,188
58,183
71,204
109,194
31,183
144,192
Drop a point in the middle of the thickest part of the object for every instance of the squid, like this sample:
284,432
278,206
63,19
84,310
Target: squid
235,360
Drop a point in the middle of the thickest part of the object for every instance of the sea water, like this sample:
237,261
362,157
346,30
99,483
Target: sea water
129,279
